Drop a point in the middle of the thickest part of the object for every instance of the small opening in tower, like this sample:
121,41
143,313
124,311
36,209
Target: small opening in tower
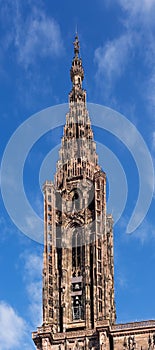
76,196
76,201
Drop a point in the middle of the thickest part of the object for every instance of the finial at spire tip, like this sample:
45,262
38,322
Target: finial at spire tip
76,30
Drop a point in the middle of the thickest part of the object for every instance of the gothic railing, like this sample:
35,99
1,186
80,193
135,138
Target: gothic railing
142,324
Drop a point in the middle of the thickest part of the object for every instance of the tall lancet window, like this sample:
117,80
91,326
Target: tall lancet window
78,251
78,262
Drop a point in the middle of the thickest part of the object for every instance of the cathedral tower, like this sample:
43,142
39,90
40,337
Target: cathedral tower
78,267
78,285
78,270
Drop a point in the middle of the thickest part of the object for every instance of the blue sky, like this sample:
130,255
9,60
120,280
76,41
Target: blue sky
117,47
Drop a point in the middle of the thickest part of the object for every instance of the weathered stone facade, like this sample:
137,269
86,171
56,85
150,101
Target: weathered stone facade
78,271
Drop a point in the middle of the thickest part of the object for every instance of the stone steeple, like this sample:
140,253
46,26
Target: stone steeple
78,256
78,272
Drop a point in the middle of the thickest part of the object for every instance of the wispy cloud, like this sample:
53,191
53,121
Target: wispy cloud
33,265
153,153
13,329
153,141
141,8
34,290
7,228
39,36
33,282
137,40
29,37
150,90
112,58
144,233
134,8
111,61
34,34
121,280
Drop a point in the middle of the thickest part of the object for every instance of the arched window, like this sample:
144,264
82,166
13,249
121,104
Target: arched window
78,251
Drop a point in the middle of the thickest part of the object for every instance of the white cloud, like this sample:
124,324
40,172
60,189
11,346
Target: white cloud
153,152
33,265
111,61
13,329
112,58
34,34
34,290
150,90
122,280
153,140
137,7
137,40
15,332
7,228
33,282
145,232
39,37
